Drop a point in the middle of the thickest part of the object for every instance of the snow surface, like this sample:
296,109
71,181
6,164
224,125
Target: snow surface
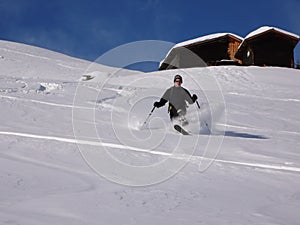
45,180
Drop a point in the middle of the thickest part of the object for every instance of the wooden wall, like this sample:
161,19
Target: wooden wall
232,49
271,49
216,50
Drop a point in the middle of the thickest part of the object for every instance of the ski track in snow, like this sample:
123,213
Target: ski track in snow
60,62
26,54
265,98
43,102
195,159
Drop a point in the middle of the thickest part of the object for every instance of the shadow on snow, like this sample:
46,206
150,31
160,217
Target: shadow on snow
243,135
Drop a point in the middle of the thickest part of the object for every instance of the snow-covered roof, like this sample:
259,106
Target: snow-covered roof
205,38
267,28
200,39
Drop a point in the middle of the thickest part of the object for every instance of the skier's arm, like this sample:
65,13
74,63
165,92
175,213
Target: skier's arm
161,103
164,99
190,99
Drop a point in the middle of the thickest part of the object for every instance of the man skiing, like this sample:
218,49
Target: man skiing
177,96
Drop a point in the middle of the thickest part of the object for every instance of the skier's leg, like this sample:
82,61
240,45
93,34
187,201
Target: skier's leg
181,115
173,113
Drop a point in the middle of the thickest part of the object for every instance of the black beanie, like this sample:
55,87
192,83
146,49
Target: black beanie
178,77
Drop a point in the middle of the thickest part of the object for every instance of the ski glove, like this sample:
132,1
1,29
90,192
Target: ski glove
194,97
158,104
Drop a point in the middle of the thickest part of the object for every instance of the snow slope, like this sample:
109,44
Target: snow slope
48,123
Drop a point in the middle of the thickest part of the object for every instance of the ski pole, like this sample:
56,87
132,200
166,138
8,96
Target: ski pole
148,116
198,104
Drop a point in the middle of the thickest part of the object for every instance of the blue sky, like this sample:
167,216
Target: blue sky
86,29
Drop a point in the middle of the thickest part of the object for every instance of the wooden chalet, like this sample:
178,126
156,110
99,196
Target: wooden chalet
214,49
268,46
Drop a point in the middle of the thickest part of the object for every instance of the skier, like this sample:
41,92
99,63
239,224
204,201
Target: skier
177,96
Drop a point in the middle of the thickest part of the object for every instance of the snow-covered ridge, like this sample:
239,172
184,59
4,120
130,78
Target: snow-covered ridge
21,60
35,52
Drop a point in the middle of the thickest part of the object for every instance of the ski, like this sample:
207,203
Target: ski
180,129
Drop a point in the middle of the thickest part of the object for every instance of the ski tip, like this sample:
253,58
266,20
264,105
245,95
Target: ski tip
181,130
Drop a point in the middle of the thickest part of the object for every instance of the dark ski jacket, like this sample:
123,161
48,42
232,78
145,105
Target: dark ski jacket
177,98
